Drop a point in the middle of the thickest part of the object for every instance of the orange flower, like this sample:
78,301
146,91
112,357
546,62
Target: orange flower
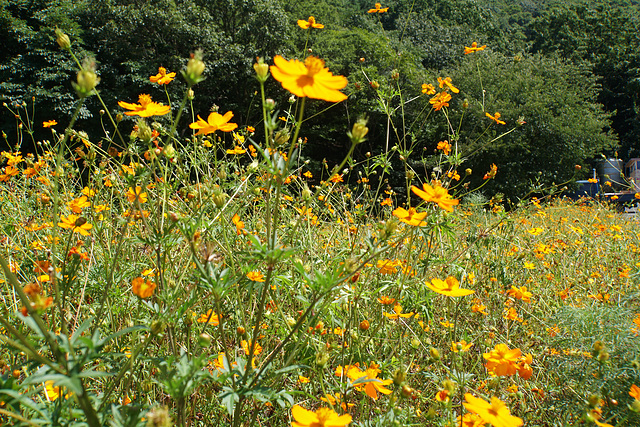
445,147
162,78
372,387
49,123
428,89
440,100
310,78
323,417
143,288
145,107
495,413
449,287
210,318
378,9
496,118
137,194
311,23
492,172
255,276
410,216
502,361
435,194
635,392
385,300
474,48
214,122
447,82
238,223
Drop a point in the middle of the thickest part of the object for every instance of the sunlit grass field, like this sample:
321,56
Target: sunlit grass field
215,279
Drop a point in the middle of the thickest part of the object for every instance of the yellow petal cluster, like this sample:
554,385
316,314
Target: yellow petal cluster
309,78
213,123
145,107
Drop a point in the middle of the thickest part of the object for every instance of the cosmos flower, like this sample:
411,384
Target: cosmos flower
162,78
378,9
495,413
145,107
311,23
449,287
213,123
474,48
309,78
436,194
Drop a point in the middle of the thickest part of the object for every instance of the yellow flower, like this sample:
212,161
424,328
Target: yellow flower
449,287
495,413
237,150
436,194
76,224
447,82
398,313
162,78
529,265
311,23
520,293
492,172
310,78
323,417
461,346
410,216
76,205
428,89
474,48
143,288
536,231
496,118
440,100
378,9
137,194
372,387
214,122
210,318
255,276
52,393
49,123
145,107
387,266
502,361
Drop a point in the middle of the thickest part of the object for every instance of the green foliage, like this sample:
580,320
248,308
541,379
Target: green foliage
558,102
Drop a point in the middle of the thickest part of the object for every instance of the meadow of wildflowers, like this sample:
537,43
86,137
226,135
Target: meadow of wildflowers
178,270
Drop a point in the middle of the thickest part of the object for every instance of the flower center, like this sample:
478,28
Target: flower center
314,65
144,100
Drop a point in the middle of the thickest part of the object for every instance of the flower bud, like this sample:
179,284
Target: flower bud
375,85
434,353
87,79
62,39
364,325
262,70
195,67
359,131
169,151
144,131
204,340
399,376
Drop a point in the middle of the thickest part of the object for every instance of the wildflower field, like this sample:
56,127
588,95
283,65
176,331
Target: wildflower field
184,269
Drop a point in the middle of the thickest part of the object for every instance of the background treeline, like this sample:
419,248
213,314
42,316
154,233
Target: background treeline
570,69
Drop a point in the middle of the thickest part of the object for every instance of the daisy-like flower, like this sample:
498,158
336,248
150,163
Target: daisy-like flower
374,386
145,107
449,287
447,82
436,194
323,417
137,194
162,78
213,123
311,23
440,100
503,361
496,118
255,276
142,288
445,147
309,78
635,392
410,216
495,413
492,172
49,123
210,318
76,224
378,9
520,293
428,89
474,48
398,313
